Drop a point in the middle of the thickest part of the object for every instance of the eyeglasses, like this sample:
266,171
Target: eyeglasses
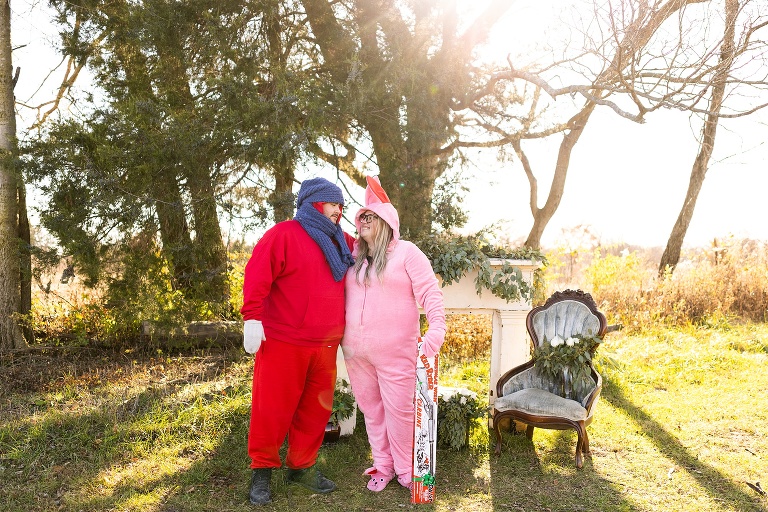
367,217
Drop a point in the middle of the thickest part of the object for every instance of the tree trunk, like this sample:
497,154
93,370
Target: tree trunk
10,333
281,198
408,180
542,216
210,253
403,88
411,194
407,168
163,184
174,230
671,255
209,248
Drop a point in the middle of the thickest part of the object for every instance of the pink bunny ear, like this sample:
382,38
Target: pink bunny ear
374,188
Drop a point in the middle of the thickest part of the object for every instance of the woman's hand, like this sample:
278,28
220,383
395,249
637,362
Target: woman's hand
432,341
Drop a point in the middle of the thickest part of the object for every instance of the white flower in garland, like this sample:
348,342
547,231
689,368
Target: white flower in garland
556,341
447,393
571,341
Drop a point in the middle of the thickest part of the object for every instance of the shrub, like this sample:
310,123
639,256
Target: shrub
66,311
468,337
712,286
76,320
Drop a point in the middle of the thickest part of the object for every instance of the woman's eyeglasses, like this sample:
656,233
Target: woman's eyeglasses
367,217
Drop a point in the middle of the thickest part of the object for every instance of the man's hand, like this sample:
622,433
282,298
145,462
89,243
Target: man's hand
432,344
253,335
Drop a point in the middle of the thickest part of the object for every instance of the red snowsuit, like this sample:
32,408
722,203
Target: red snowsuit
288,285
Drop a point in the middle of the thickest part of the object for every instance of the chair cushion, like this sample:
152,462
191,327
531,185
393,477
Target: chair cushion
533,378
541,402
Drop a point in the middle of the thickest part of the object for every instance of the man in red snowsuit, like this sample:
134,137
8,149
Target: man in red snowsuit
293,308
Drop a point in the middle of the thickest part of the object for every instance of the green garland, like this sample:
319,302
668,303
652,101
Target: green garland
552,357
343,402
455,415
452,256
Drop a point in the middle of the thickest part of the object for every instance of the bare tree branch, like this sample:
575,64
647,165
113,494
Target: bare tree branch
70,76
572,89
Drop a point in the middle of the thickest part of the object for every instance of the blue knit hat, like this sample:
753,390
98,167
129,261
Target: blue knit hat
319,190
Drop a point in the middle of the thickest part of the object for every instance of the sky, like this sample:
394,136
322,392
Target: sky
626,181
33,39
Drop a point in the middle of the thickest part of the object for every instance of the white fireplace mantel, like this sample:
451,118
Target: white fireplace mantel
510,345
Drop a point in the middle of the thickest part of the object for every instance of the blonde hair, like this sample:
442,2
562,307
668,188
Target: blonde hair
382,236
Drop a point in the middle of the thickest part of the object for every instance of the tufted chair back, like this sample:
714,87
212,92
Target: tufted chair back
565,319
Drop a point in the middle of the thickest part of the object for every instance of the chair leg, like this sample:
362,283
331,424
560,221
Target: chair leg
529,432
579,458
581,435
585,447
496,428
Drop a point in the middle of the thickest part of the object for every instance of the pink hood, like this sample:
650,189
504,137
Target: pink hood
377,201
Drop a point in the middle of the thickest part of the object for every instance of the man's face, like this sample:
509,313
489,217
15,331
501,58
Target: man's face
332,211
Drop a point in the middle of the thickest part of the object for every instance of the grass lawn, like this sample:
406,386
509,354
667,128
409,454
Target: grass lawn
682,425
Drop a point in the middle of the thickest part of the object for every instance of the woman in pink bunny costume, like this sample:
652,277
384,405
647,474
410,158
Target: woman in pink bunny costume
391,278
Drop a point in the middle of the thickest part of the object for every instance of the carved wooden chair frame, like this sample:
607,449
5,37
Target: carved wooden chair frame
549,421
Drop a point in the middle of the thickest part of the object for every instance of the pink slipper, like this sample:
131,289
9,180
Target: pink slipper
378,479
405,481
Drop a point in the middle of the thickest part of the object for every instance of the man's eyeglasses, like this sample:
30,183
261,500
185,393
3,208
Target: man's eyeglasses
367,217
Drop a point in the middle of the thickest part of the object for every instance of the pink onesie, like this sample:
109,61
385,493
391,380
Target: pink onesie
380,343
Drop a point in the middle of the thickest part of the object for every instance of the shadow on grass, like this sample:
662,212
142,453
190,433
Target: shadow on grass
98,467
86,459
92,460
343,462
523,479
715,483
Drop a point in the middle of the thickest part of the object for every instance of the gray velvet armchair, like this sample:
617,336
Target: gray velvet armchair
528,395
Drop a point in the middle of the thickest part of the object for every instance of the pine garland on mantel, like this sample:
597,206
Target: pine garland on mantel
452,256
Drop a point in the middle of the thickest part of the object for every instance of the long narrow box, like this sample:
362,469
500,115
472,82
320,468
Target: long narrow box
425,429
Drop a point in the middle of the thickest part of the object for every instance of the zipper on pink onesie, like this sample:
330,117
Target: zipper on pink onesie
362,309
365,295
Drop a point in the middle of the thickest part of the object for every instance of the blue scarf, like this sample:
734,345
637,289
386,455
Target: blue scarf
325,232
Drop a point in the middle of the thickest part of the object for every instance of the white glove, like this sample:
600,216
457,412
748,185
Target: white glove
253,335
431,343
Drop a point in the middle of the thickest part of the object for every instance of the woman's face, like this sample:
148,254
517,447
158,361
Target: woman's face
369,226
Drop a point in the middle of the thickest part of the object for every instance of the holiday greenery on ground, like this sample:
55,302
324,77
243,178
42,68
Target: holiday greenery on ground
343,402
457,408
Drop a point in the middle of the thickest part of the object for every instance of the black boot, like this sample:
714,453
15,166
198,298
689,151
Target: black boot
259,493
310,478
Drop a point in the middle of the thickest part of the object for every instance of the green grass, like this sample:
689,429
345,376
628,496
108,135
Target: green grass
682,425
